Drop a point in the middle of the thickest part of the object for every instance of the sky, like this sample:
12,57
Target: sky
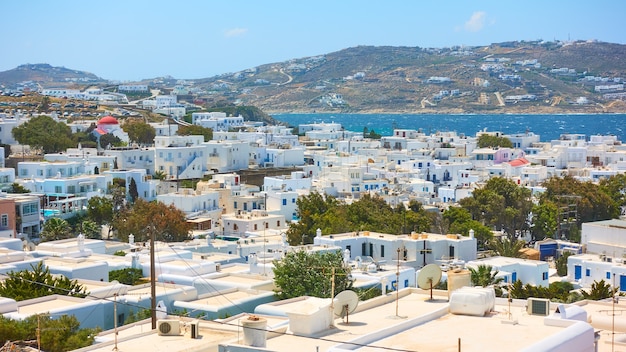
136,39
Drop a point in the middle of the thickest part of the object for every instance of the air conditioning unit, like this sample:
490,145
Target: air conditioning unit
538,306
195,329
168,327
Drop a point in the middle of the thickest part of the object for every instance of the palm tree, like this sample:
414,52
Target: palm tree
91,230
599,290
483,276
55,229
506,247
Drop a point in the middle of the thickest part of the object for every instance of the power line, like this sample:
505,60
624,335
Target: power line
223,323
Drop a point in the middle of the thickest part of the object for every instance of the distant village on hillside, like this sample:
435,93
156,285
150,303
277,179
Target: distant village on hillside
215,290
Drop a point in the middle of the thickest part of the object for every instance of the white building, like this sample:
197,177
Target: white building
164,101
217,121
606,237
194,203
533,272
228,155
241,222
133,88
180,157
415,250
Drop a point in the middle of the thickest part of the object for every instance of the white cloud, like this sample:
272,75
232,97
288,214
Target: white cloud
476,22
235,32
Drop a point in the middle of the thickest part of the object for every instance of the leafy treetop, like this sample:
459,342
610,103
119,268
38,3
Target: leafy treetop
144,218
310,274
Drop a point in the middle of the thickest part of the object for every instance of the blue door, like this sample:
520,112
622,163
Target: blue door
622,282
578,272
514,277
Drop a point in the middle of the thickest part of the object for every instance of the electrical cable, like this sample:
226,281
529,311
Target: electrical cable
226,323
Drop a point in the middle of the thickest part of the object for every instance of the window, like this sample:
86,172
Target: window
545,276
587,272
29,209
255,227
293,200
608,275
382,251
284,201
57,189
235,205
4,220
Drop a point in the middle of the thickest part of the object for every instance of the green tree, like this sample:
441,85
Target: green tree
137,316
139,131
545,220
126,276
132,190
118,197
369,213
42,132
561,264
38,282
599,290
558,291
311,209
490,141
615,187
592,204
108,140
507,247
484,275
143,219
57,335
55,229
17,188
500,203
461,222
310,274
100,210
159,175
196,130
90,229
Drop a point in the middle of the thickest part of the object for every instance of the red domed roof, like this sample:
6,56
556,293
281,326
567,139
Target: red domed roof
108,120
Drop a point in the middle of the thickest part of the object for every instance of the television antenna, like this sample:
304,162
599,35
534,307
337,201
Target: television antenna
429,276
345,303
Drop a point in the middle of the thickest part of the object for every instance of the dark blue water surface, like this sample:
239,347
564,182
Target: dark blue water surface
548,127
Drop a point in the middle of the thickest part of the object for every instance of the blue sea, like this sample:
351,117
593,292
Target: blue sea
548,127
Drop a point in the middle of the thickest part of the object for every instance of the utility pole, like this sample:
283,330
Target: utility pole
152,279
115,320
38,333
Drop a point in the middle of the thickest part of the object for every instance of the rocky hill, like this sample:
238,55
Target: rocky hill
45,75
513,77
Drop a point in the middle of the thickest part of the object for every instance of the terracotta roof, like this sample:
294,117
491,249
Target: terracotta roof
108,120
519,162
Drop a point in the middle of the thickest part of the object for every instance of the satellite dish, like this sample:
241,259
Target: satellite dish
345,303
428,277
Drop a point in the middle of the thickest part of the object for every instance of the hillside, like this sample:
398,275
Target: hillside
422,80
35,76
511,77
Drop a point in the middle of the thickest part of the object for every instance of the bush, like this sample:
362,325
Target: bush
128,276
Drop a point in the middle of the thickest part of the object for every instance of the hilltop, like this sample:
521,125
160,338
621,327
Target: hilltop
511,77
558,78
46,75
